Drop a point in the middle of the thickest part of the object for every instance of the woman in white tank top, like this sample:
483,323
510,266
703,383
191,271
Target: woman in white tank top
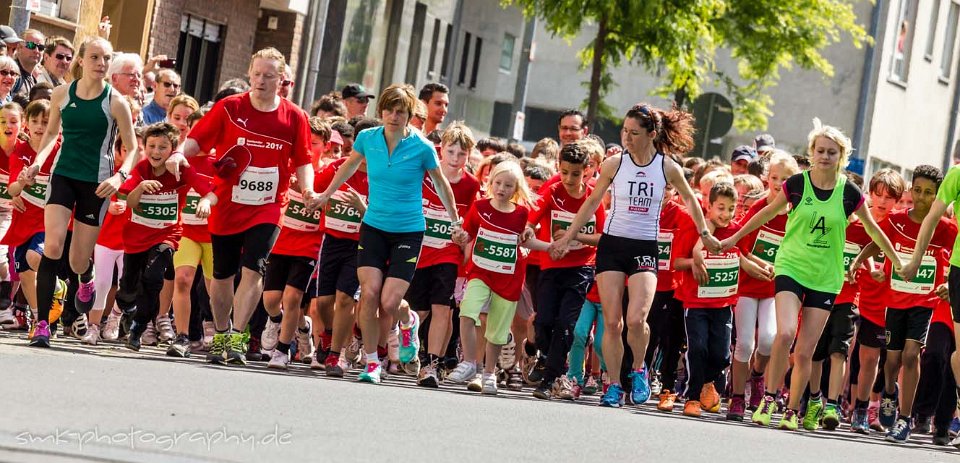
628,246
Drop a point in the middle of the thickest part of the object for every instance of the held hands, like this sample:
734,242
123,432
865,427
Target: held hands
203,208
722,246
909,270
943,292
460,237
117,207
110,186
29,175
712,244
699,269
559,247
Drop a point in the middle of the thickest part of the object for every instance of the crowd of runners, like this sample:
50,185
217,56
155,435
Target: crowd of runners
248,229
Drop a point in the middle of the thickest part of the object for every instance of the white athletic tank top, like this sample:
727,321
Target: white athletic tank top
637,194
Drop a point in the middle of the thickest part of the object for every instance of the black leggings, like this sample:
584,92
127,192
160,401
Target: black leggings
936,392
667,336
142,281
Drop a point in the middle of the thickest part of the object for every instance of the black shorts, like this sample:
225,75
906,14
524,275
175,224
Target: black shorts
432,286
310,293
80,197
953,284
907,324
292,271
250,248
338,267
808,297
395,254
838,333
625,255
871,334
35,244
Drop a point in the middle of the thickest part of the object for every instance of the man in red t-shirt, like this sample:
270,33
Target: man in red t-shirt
257,136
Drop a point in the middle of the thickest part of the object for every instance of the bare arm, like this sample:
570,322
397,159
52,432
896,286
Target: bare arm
765,215
446,194
675,176
608,169
346,170
877,235
49,137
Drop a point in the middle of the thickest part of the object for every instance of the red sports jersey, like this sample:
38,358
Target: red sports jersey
340,218
301,234
918,292
673,217
554,211
437,247
873,294
856,239
723,269
157,219
763,243
194,228
264,146
24,225
943,314
495,256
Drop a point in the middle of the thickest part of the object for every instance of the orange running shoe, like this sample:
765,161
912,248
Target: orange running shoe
710,398
692,408
667,401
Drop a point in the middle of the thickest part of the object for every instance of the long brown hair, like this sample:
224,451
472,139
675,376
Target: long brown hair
674,128
76,69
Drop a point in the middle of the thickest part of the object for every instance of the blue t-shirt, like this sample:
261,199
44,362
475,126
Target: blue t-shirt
153,113
396,181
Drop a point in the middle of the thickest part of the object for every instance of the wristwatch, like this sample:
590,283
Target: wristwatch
123,175
705,233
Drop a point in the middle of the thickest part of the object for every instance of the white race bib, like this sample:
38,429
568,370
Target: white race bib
36,194
296,217
724,273
664,250
157,211
257,186
4,195
923,283
190,209
439,228
495,251
341,215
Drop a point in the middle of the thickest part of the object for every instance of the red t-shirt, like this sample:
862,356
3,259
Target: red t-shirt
943,314
856,239
495,256
111,232
873,294
764,243
194,228
918,292
23,225
555,210
157,219
593,295
340,219
673,217
437,247
723,268
301,234
265,146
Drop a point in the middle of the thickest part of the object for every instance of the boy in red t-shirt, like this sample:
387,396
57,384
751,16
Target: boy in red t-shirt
155,198
708,290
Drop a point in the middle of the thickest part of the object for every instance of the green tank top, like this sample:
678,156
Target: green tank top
812,248
89,132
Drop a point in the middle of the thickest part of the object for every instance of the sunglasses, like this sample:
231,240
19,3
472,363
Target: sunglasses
6,73
62,57
286,82
34,46
170,84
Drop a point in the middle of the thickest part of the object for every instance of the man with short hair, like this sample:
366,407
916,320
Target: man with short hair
356,98
167,88
126,76
58,54
28,55
286,83
436,97
572,126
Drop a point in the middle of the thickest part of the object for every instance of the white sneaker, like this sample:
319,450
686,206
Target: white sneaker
305,340
208,331
489,384
278,360
93,335
956,442
149,337
315,364
7,317
476,385
508,354
270,336
464,372
79,326
111,330
393,345
165,329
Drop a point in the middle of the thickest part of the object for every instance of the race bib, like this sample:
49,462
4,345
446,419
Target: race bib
190,209
923,283
257,186
664,250
341,215
724,271
850,253
296,216
767,245
36,194
156,211
495,251
439,228
561,220
4,194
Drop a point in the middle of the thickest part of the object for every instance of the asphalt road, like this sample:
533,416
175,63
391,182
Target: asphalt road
75,403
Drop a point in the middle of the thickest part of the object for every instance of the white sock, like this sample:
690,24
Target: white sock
373,358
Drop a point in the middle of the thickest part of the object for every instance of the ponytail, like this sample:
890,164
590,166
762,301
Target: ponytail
675,128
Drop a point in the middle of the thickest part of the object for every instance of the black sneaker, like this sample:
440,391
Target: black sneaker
941,437
253,351
543,390
536,373
133,341
922,425
180,347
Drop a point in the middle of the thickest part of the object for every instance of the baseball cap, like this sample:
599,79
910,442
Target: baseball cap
356,90
764,140
8,35
743,152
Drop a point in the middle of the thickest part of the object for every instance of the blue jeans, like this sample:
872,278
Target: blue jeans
581,332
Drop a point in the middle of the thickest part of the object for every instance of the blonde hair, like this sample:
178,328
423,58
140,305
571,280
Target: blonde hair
398,96
714,177
185,100
833,134
785,161
420,110
522,194
458,133
76,69
270,53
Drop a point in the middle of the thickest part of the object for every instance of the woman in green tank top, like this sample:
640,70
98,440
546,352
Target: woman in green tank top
89,113
809,265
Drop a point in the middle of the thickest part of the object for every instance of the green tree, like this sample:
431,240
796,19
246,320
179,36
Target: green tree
679,41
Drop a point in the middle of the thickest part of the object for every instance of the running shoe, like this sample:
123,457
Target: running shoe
409,339
315,364
488,384
764,413
859,422
20,321
544,391
888,408
692,409
332,368
755,392
411,368
941,438
255,351
93,335
575,388
86,294
831,417
41,335
613,397
508,354
476,384
709,397
590,386
954,429
180,347
236,348
370,374
209,330
279,360
537,370
270,335
811,419
428,375
7,317
563,388
149,336
134,339
514,380
736,409
111,330
352,351
305,346
788,421
900,432
655,386
667,401
165,329
640,392
464,372
922,425
78,328
956,442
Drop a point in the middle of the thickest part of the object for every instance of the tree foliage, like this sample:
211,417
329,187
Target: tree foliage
679,40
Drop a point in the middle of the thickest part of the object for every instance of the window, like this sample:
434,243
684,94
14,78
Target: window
447,43
506,52
433,48
932,35
464,60
198,56
903,40
416,42
876,165
949,41
476,63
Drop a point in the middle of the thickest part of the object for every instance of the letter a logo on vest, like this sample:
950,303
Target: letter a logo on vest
819,228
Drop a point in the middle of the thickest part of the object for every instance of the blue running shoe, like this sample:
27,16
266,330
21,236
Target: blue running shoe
888,408
613,397
954,427
900,432
640,392
409,339
859,423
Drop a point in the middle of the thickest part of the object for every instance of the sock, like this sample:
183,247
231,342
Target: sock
816,396
382,351
861,404
771,395
276,319
433,358
755,374
373,358
326,339
46,285
889,395
285,348
833,402
740,396
874,403
334,355
226,331
87,276
531,349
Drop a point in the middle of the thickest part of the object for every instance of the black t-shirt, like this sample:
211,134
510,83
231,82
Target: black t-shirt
852,196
